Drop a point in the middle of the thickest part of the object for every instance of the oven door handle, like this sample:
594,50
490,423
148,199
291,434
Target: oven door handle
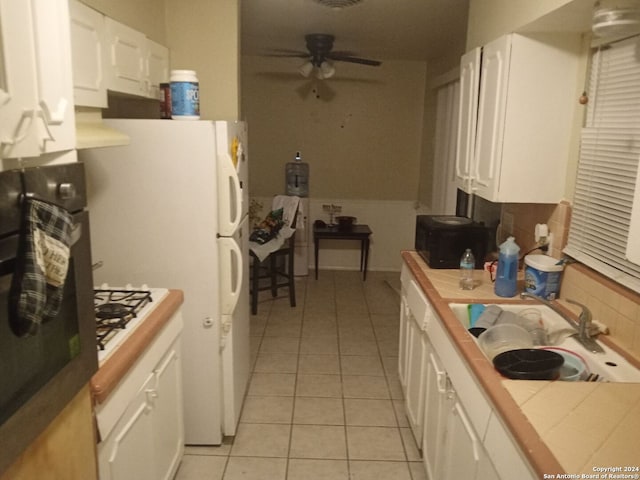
75,234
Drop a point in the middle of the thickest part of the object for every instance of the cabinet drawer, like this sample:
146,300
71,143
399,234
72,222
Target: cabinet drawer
419,305
416,299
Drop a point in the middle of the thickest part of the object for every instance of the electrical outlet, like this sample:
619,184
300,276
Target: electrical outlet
507,224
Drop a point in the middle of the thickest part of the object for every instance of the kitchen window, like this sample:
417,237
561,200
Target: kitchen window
607,171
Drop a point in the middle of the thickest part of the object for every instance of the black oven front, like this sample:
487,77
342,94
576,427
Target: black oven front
41,371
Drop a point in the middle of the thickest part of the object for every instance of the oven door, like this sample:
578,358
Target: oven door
43,372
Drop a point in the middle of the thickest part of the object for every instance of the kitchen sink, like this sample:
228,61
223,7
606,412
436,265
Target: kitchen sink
609,366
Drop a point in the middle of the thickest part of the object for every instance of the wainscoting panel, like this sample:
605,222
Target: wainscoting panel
392,223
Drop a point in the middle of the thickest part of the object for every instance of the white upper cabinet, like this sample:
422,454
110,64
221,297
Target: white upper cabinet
468,116
127,58
18,83
137,65
36,97
108,55
527,93
88,42
157,65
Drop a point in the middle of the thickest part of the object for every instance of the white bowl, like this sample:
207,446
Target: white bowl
503,337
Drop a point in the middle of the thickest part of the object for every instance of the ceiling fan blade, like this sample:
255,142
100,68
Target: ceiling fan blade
287,55
361,61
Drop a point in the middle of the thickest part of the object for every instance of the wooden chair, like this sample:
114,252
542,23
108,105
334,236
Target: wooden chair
277,267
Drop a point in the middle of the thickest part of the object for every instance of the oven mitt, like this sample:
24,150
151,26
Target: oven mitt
41,267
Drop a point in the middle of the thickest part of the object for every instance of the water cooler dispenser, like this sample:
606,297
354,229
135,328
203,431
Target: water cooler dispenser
297,183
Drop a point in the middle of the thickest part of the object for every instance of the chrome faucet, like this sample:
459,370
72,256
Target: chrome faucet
584,321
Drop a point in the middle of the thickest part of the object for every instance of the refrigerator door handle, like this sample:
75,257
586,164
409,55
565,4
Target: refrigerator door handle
231,190
231,271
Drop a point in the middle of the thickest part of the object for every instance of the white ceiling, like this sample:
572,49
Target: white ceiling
377,29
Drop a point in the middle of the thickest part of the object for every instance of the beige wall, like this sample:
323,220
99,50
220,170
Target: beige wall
203,35
488,19
361,137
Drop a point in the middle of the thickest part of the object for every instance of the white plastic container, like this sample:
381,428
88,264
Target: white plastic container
542,276
185,95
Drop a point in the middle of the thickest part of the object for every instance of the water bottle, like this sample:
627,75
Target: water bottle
467,265
507,274
297,177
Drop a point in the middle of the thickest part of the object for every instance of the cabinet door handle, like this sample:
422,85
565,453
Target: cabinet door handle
26,117
49,137
451,393
441,375
151,393
54,117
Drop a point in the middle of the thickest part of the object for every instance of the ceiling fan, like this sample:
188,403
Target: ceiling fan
320,56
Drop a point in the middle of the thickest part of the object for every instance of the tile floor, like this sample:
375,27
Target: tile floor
324,401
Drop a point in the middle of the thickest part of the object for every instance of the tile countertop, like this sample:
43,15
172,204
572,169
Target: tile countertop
571,427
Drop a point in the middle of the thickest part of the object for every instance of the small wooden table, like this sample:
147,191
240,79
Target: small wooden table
357,232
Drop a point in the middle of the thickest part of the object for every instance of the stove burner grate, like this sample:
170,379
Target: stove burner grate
108,311
114,309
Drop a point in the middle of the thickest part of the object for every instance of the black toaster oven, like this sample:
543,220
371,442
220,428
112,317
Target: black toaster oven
441,240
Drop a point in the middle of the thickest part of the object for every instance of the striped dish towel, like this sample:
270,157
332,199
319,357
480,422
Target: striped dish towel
42,263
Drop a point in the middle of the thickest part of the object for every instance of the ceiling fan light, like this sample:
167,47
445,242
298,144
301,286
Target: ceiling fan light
305,69
616,18
325,70
338,4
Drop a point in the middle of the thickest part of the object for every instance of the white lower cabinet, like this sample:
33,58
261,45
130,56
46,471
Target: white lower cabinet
416,378
403,349
463,454
168,429
504,452
146,442
460,436
413,353
451,449
434,416
129,453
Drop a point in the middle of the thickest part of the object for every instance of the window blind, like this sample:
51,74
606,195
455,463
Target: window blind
608,165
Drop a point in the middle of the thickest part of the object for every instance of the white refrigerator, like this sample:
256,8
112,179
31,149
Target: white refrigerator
171,210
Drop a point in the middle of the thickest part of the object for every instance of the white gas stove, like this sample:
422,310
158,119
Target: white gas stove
119,311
